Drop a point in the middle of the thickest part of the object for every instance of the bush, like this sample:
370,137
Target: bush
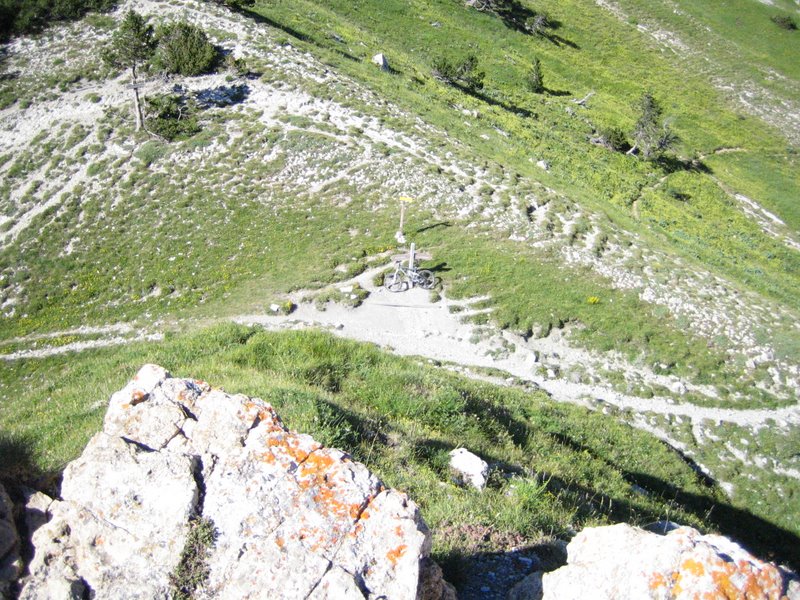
26,16
614,138
171,116
784,22
464,74
184,49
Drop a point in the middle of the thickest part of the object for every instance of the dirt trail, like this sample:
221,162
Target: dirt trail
409,324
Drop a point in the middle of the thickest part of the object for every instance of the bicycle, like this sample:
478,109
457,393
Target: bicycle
405,277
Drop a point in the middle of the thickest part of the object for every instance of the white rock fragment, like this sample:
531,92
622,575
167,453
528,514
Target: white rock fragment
380,60
469,468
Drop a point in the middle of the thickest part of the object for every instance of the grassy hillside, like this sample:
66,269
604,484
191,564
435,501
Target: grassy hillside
555,468
686,268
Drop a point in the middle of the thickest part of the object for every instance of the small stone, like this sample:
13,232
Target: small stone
275,308
469,468
678,387
380,60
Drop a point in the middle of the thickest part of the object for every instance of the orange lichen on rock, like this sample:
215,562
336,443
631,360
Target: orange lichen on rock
394,555
693,567
267,457
728,580
657,581
280,542
289,444
315,474
745,580
263,413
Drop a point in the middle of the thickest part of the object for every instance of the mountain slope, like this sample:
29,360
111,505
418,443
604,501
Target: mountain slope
679,278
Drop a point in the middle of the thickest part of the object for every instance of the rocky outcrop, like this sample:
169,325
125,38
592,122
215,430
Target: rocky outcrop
624,562
284,517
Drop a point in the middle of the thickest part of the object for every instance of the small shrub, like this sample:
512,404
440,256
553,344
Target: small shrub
537,24
613,138
171,116
184,49
192,569
784,22
463,74
150,152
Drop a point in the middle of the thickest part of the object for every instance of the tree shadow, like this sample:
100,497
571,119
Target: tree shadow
478,95
468,570
434,226
551,92
288,30
560,41
759,536
222,96
673,164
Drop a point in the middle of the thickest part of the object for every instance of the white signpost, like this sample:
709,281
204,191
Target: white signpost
399,236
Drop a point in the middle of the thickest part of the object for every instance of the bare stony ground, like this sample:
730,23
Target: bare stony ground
355,154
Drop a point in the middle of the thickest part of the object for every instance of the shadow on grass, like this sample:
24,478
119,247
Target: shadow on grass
557,93
17,464
298,35
560,41
439,268
673,164
761,537
478,95
434,226
467,569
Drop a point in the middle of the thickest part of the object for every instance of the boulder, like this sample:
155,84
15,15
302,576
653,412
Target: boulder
10,563
285,517
468,468
380,60
624,562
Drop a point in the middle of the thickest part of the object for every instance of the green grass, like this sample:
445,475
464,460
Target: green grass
164,261
556,468
599,179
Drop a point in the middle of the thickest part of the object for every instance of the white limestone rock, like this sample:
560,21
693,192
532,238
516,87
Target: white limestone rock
469,468
381,61
293,519
624,562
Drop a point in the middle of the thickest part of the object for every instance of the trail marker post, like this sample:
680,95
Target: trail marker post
401,239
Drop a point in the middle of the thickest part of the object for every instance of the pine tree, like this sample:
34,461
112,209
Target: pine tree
132,45
536,77
651,136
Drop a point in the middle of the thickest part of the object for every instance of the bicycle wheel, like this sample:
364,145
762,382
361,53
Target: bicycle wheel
395,282
425,279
